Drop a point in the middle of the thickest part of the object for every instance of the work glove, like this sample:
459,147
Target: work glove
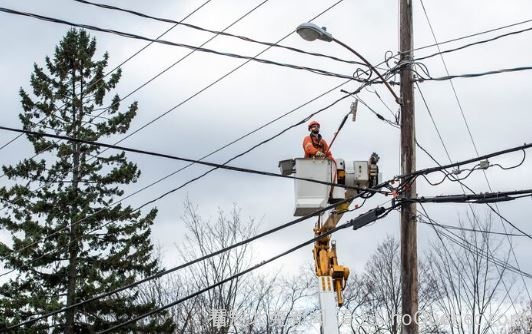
320,155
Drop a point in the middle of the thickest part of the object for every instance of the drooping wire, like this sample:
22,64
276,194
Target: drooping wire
475,75
196,178
119,66
474,249
182,266
472,44
222,33
466,122
167,193
217,80
474,34
258,265
165,42
452,227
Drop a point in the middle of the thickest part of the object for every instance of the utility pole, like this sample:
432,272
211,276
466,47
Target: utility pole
409,287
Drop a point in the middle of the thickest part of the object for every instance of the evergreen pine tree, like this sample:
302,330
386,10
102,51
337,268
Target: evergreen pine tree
70,240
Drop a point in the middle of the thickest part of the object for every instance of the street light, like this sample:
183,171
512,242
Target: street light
311,32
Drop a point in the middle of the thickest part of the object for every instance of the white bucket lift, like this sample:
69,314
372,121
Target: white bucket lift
311,196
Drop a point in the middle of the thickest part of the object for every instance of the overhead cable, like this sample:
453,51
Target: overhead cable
474,43
473,35
184,265
356,223
136,53
475,250
472,191
483,198
468,161
161,41
172,157
475,75
461,228
213,83
221,33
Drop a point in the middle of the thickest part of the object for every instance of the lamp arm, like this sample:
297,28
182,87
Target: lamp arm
372,68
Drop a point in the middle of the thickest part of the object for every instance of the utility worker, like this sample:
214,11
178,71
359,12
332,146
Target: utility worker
314,145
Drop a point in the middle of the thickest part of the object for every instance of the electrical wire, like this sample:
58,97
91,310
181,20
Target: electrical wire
470,171
470,229
473,35
175,189
188,182
222,33
474,43
351,223
471,190
173,157
379,116
473,198
433,122
209,85
165,42
166,69
475,250
182,266
121,64
468,128
465,162
475,75
224,76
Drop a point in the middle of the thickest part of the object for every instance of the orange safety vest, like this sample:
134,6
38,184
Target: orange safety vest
313,145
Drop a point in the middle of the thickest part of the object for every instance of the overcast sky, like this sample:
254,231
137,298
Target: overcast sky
497,108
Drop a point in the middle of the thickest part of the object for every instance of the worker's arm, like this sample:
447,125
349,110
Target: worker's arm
309,148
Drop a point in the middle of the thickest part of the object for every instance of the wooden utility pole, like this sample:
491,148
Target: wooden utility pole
409,287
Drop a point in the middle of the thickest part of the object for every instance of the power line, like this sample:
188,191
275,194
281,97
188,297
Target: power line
468,129
471,190
467,125
356,223
474,43
188,182
222,33
433,122
240,18
224,76
212,83
238,139
463,185
173,157
169,67
474,249
476,75
470,171
175,189
139,37
182,266
470,229
483,198
122,63
465,162
473,35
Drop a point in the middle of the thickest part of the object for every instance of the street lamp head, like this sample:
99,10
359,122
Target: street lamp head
310,32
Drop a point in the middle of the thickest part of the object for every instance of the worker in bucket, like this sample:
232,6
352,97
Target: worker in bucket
314,145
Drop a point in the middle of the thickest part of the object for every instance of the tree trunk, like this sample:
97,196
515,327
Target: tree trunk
74,233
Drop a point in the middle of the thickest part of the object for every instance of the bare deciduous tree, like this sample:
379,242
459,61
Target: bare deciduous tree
472,290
